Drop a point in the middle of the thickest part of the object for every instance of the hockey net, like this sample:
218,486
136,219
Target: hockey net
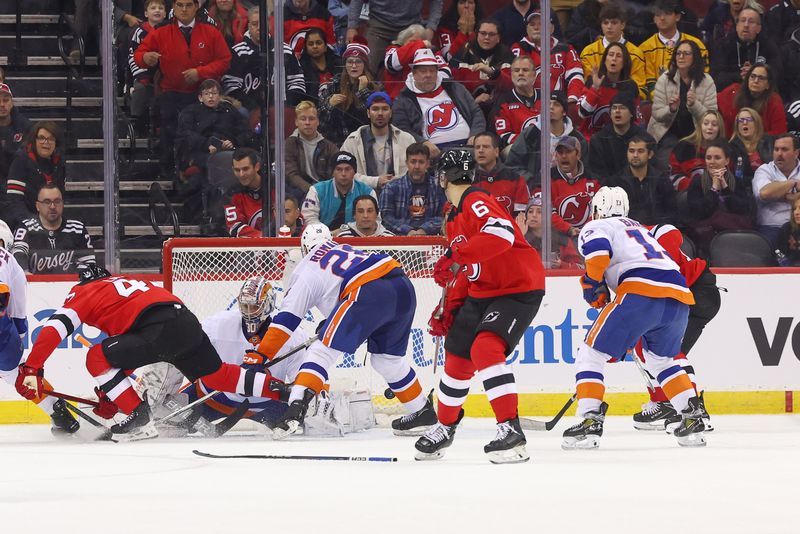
207,273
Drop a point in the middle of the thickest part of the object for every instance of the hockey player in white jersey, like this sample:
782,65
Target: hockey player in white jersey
364,297
14,325
651,302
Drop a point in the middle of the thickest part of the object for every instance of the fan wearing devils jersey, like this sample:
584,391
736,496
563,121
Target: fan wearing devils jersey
516,110
299,16
494,285
145,324
243,216
506,185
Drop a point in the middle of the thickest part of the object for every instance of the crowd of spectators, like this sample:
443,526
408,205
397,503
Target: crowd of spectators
695,118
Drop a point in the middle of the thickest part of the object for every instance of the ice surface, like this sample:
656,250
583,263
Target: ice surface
745,481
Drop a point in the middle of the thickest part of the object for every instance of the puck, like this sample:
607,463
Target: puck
389,394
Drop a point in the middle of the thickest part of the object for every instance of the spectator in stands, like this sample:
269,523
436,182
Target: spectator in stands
505,184
308,154
457,27
331,201
612,21
482,63
299,16
720,21
187,51
142,92
609,146
319,63
564,253
789,236
650,193
413,204
733,57
612,78
231,19
343,102
715,202
13,127
338,10
292,217
38,162
776,185
566,70
436,112
514,110
379,147
514,17
658,49
366,222
571,188
758,91
243,81
387,19
49,244
783,19
584,24
524,155
243,213
681,96
790,56
2,75
85,20
750,147
400,55
687,159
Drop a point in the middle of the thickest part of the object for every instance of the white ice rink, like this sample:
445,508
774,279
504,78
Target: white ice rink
745,481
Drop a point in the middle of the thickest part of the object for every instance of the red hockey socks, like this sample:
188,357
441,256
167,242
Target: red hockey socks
453,387
115,383
234,379
488,353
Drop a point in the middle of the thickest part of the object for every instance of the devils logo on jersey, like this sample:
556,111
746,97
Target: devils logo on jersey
506,202
575,209
441,117
530,121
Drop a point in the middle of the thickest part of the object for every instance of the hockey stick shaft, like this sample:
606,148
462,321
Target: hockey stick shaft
384,459
70,397
454,268
80,413
650,388
544,426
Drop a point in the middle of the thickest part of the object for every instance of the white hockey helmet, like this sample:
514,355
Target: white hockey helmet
256,302
313,235
610,202
6,236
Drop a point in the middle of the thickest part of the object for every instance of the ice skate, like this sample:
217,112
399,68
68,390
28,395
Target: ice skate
432,445
294,416
690,431
415,424
135,427
64,424
508,446
674,421
654,416
704,416
587,433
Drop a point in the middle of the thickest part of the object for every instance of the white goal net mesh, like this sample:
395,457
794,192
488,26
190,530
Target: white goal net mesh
207,273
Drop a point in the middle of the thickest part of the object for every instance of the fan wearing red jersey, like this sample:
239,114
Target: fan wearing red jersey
492,296
145,324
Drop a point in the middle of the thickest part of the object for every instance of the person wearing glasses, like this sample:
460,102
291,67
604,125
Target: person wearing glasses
38,162
759,91
50,244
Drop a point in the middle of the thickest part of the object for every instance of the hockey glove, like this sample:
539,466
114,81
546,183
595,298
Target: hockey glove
280,388
254,360
446,268
442,319
595,293
29,382
106,407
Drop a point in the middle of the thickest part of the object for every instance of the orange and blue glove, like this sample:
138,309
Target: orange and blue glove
595,293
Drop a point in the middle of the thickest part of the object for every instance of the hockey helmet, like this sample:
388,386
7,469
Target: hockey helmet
313,235
456,165
256,302
92,271
6,236
610,202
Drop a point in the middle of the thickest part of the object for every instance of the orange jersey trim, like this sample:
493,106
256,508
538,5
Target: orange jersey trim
659,292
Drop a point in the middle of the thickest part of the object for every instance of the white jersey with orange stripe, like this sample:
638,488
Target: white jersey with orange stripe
13,281
631,260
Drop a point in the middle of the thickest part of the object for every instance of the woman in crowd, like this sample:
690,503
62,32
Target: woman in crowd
564,252
789,237
343,102
231,19
750,146
457,27
757,91
319,63
613,76
688,158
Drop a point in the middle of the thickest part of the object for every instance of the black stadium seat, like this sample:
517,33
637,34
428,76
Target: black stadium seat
687,247
741,248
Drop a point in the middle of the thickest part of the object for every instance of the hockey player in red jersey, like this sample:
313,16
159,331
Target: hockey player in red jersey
145,324
492,298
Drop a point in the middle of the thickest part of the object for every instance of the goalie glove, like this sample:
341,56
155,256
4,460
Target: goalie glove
595,293
29,382
105,407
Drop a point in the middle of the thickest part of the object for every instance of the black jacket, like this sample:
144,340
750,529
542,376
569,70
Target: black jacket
790,56
28,173
703,203
652,200
738,150
728,56
782,19
200,126
311,74
608,151
11,137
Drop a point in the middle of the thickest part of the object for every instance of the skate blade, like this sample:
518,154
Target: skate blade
141,434
419,431
692,440
649,427
280,433
670,428
517,455
589,442
426,456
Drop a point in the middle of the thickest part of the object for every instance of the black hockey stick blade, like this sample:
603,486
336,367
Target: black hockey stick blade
229,422
296,457
543,426
105,433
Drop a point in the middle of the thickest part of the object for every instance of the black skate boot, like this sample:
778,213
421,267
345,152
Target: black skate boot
294,416
415,424
137,426
704,416
690,430
432,445
587,433
64,424
654,416
674,421
508,446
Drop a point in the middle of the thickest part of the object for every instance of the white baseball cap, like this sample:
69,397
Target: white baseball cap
424,56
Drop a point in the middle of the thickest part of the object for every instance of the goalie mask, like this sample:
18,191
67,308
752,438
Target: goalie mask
456,165
313,235
6,236
256,302
610,202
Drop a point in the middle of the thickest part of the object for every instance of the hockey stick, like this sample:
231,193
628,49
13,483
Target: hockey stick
454,268
533,424
297,457
70,398
650,388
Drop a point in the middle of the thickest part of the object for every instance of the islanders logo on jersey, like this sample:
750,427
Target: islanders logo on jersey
575,209
441,117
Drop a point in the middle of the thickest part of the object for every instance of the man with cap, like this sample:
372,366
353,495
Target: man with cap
379,147
13,126
330,202
514,110
608,148
438,112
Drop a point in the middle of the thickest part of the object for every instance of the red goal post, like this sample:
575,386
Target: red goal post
207,273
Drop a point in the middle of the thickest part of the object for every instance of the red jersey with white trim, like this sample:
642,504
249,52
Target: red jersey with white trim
110,304
508,187
498,260
243,216
671,239
566,69
513,113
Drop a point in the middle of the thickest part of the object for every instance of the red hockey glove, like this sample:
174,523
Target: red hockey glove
594,293
106,407
447,267
442,319
29,382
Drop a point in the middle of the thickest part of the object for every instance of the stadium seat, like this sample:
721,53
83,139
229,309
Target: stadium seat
741,248
687,247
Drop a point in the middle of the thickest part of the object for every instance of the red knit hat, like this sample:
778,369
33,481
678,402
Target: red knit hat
356,50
